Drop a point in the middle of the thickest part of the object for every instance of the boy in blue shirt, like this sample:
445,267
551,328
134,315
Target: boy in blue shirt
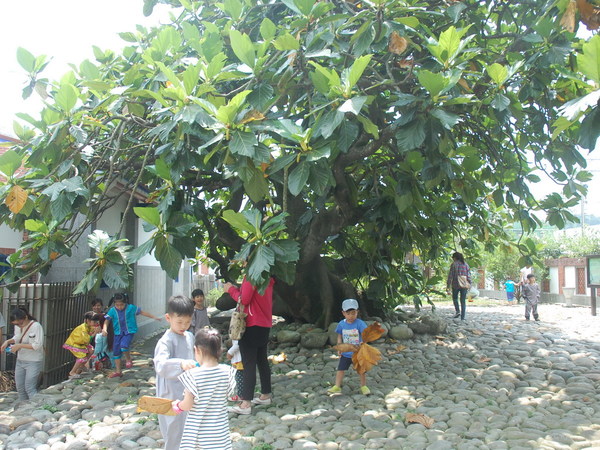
349,331
509,285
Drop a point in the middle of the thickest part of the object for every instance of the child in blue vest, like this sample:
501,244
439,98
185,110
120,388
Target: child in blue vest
123,318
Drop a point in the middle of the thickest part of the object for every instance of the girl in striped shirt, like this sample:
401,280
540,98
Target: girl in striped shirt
205,396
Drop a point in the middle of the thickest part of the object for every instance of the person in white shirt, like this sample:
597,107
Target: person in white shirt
28,345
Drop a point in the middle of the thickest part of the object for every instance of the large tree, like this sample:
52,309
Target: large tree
322,141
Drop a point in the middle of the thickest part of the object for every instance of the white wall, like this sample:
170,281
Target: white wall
570,277
10,238
554,280
142,236
111,218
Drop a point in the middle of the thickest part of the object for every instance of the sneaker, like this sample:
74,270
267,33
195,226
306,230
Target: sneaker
526,318
129,364
239,410
364,390
115,375
259,401
537,319
334,390
456,316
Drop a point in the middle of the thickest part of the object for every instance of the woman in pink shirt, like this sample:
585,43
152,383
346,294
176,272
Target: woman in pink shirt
253,344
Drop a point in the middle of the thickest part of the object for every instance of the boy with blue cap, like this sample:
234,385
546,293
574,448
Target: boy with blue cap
349,331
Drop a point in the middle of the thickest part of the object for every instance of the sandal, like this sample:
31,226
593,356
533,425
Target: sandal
129,364
115,375
74,376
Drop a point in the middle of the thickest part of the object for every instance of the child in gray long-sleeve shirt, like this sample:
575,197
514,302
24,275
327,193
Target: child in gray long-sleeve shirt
530,291
173,354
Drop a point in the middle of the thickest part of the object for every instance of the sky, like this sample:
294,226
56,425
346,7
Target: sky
66,30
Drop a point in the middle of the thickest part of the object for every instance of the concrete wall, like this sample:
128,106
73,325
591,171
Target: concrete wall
70,268
10,238
545,297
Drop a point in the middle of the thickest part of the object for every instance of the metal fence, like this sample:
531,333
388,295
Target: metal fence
59,311
206,282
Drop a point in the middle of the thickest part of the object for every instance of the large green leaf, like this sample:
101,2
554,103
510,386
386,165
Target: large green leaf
10,161
298,178
242,143
261,260
169,257
140,251
357,69
26,59
66,97
433,82
589,60
267,29
242,46
498,73
238,221
149,214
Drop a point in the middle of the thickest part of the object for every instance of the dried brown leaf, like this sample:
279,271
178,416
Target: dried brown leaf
477,332
156,405
365,358
424,420
372,332
484,359
345,347
397,43
568,19
590,14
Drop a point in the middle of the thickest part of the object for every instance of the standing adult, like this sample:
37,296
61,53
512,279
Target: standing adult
253,344
28,345
459,281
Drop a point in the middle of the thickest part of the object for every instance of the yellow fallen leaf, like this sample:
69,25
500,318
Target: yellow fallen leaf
16,199
424,420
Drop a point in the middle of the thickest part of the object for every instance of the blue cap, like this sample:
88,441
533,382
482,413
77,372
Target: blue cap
349,303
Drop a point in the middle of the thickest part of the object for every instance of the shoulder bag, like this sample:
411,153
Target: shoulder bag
237,325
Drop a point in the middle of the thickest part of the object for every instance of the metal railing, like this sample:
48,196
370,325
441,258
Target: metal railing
59,311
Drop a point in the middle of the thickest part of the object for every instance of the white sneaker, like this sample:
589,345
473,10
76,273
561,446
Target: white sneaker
259,401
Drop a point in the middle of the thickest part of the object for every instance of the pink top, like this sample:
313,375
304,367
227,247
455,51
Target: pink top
258,307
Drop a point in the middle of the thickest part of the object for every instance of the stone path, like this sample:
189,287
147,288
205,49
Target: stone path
493,381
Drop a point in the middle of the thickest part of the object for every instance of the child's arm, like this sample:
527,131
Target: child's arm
185,404
168,367
151,316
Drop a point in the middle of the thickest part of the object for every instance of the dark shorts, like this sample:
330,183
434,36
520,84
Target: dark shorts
121,344
344,363
510,295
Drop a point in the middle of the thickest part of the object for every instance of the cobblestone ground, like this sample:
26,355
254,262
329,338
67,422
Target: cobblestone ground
493,381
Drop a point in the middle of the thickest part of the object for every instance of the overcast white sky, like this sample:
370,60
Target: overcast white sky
66,30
